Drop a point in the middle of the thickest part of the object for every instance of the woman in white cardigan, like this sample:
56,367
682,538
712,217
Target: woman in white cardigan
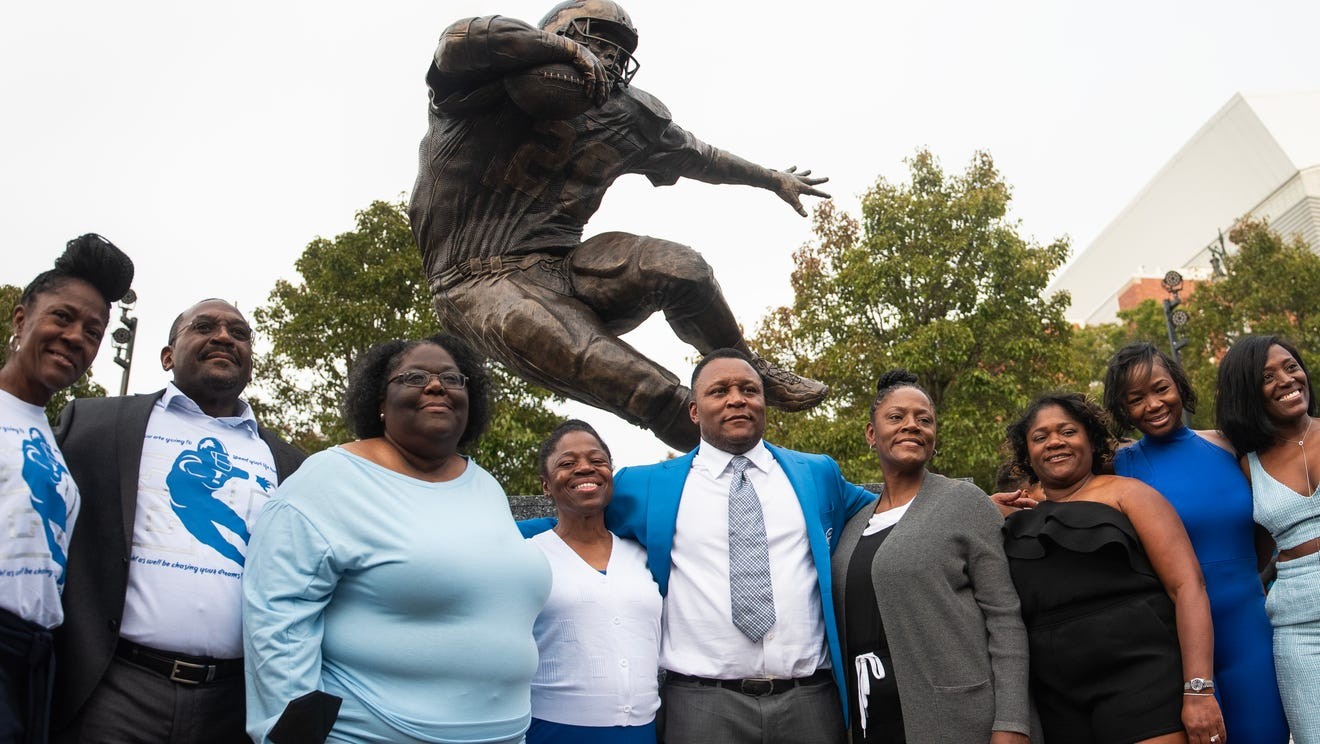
599,633
927,610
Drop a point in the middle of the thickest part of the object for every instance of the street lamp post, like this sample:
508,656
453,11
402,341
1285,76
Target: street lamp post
123,338
1175,319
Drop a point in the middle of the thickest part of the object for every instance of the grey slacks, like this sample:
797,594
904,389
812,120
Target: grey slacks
133,705
698,714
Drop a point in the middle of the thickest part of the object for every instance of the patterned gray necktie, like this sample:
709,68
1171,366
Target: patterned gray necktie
750,590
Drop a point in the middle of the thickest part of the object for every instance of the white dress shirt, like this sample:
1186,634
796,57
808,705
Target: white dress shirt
699,637
184,591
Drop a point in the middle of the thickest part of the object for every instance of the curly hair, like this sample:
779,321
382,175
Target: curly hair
1240,405
565,428
1077,406
891,381
92,259
371,373
1140,358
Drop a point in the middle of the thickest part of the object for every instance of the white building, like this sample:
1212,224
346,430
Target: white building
1259,155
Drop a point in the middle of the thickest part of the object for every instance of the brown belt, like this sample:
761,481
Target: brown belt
1310,547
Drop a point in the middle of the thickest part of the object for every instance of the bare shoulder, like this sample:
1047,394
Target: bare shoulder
1217,438
1121,492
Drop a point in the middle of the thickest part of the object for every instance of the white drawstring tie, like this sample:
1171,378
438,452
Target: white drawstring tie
867,666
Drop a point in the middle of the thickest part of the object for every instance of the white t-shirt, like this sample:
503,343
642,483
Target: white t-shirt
38,505
201,484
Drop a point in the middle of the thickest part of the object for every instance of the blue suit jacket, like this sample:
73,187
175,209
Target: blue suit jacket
645,508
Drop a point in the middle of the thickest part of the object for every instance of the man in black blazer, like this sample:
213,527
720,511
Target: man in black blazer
170,482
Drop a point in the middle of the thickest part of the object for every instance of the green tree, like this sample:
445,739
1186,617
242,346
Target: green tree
357,289
1271,288
85,387
934,277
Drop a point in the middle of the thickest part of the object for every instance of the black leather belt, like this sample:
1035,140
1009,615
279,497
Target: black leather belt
179,668
756,686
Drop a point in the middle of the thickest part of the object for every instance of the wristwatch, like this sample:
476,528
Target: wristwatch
1196,684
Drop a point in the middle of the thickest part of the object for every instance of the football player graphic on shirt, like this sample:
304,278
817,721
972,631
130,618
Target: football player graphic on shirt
44,474
193,481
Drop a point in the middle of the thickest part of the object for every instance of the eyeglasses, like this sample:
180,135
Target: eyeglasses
419,379
240,332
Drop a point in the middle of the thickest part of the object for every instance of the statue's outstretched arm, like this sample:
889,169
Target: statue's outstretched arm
475,51
789,185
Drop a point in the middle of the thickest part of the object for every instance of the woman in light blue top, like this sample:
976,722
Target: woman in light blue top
388,596
1267,409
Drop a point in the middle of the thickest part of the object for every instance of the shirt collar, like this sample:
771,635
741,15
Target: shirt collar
176,398
716,460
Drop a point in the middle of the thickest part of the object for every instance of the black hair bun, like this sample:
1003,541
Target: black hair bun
894,378
98,262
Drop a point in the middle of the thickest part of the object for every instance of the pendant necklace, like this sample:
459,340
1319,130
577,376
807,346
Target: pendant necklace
1306,468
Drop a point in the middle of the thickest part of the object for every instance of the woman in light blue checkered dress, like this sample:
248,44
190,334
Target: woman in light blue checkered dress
1267,409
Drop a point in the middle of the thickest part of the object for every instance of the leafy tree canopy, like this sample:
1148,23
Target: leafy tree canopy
357,289
85,387
934,277
1269,288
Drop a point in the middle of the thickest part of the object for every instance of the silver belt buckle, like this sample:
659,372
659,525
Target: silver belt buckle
756,686
182,665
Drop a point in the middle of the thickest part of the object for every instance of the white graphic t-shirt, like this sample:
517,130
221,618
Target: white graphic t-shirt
38,506
201,484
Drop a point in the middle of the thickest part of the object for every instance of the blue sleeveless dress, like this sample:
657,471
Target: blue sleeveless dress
1206,487
1294,601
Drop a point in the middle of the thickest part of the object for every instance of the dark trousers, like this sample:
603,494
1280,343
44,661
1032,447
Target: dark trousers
27,663
697,714
133,705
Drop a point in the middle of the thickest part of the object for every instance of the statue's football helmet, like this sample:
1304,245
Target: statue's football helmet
604,27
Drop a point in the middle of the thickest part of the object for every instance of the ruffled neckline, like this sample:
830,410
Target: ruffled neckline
1078,526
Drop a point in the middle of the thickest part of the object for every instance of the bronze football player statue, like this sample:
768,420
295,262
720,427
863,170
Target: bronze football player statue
507,183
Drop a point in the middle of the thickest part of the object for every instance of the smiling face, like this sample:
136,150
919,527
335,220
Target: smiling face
728,405
210,353
1152,402
58,334
1284,386
426,418
902,430
1058,448
579,475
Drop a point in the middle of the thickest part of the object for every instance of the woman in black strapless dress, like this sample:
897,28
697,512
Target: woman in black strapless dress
1117,616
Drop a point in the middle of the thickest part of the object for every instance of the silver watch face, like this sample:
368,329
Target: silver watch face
1197,684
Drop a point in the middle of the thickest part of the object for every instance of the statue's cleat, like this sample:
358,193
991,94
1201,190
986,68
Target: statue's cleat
787,391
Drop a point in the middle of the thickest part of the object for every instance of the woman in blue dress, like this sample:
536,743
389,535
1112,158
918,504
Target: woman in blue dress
1198,473
1267,409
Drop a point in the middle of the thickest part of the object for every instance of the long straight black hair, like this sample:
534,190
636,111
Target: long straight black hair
1240,406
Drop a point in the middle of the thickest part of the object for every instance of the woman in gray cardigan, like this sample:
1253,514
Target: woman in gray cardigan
927,610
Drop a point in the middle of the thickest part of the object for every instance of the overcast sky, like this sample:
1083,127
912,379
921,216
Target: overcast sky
212,142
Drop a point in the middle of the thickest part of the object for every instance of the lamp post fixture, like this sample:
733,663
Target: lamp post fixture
123,337
1175,319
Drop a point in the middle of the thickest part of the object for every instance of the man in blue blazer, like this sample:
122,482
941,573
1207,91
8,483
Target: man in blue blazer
724,683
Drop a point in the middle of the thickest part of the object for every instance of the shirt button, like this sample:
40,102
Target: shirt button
617,621
623,662
770,636
627,709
